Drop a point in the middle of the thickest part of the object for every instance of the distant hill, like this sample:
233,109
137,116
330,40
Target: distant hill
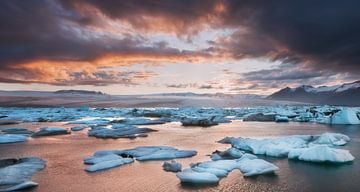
82,92
345,94
218,95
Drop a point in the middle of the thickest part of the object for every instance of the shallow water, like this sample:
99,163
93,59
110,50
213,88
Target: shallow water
65,169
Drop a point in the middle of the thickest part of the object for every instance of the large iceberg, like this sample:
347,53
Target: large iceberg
344,116
15,174
12,138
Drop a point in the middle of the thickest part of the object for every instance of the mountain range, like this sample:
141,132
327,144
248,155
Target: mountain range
347,94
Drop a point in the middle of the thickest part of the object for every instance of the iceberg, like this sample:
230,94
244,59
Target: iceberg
332,139
16,173
259,117
190,176
172,166
251,167
231,153
106,159
313,148
12,138
199,121
210,172
321,154
48,131
348,116
109,164
21,131
281,119
123,131
79,128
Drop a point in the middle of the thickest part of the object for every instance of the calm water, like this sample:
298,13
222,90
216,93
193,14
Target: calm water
65,169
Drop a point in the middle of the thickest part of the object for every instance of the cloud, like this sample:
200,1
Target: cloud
63,41
325,35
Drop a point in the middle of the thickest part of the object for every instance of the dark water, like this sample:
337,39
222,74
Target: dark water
65,169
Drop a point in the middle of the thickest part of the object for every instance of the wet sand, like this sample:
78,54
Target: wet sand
65,169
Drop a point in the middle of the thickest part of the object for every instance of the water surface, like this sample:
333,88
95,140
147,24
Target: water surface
65,169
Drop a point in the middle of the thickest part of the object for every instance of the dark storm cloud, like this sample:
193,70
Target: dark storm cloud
326,34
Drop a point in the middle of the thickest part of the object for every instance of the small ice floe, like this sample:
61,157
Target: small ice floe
231,153
119,131
48,131
294,146
321,154
144,121
15,174
348,116
107,159
79,128
172,166
331,139
252,167
281,119
210,172
199,121
98,122
21,131
8,122
259,117
12,138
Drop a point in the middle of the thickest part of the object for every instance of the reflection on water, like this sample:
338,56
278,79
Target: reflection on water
65,169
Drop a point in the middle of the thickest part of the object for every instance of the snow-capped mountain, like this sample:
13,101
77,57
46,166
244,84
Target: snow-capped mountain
345,94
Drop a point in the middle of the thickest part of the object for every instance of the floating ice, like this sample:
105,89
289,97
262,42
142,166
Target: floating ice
281,119
344,116
107,159
172,166
199,121
79,128
17,131
12,138
109,164
252,167
210,172
332,139
119,131
191,176
16,173
259,117
303,147
321,154
48,131
231,153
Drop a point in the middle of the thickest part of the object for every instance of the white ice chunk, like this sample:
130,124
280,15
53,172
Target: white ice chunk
321,153
12,138
109,164
190,176
344,116
172,166
251,167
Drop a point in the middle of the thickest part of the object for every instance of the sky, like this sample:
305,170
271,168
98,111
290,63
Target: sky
158,46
